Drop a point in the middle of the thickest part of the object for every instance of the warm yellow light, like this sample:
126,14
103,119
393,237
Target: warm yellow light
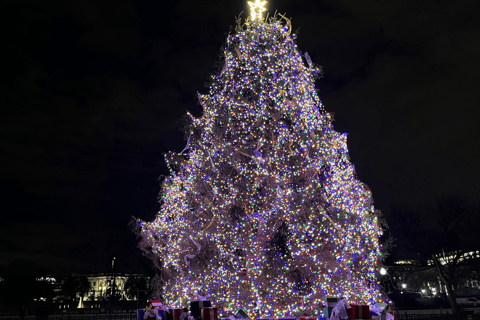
257,9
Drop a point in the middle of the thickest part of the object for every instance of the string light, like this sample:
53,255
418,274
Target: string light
257,9
263,210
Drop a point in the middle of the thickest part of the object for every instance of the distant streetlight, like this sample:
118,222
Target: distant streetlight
404,285
383,271
423,290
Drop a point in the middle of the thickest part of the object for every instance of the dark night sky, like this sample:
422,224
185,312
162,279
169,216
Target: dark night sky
92,94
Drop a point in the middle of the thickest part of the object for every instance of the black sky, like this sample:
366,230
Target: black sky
92,94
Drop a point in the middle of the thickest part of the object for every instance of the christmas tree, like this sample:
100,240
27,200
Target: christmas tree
262,209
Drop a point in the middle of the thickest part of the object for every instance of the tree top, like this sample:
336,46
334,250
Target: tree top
256,9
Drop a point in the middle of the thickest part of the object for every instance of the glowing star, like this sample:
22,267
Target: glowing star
257,9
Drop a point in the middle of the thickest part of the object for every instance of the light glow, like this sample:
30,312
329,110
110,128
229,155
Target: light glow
256,9
262,209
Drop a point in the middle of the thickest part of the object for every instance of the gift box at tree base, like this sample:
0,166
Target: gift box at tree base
177,314
196,307
240,315
339,310
359,311
153,311
140,313
331,303
209,313
382,312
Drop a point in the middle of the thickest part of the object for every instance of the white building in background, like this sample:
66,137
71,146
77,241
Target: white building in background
102,282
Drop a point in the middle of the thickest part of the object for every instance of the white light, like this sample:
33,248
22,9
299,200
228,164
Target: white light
383,271
404,285
257,9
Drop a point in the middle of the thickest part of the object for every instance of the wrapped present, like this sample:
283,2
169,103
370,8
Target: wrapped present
153,311
160,314
331,303
156,304
177,314
359,311
386,310
196,307
308,318
340,310
209,313
241,314
382,312
325,312
140,313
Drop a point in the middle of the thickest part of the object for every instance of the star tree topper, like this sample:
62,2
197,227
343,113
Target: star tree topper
257,9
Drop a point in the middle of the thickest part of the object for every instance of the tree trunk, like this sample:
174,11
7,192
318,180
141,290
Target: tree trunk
447,279
451,297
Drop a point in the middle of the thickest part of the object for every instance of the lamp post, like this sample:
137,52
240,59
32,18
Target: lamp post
112,293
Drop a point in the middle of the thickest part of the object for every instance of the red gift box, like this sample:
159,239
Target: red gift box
308,318
359,311
176,314
152,305
209,313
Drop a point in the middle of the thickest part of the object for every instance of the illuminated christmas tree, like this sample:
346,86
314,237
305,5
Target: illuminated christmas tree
262,209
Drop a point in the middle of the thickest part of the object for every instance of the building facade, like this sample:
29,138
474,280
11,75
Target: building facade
124,286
